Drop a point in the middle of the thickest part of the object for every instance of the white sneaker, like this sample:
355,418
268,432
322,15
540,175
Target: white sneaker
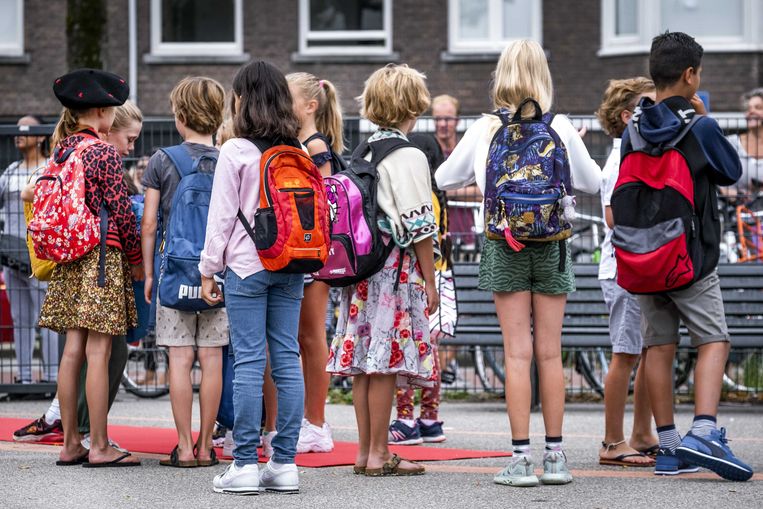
284,479
267,443
228,444
314,439
238,480
86,443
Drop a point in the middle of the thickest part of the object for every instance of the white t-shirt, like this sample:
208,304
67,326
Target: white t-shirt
752,167
608,265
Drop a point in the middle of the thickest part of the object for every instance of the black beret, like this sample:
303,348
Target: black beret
90,88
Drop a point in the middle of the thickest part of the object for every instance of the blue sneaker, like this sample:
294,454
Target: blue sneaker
713,453
432,433
667,463
402,434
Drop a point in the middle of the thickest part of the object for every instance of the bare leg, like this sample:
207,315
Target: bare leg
211,360
314,351
659,379
181,398
708,377
360,385
642,436
68,379
548,313
513,310
381,388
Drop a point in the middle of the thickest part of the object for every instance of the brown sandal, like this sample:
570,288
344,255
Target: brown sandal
357,470
392,468
212,461
174,461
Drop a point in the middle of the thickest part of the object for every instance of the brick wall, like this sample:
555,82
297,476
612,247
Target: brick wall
571,34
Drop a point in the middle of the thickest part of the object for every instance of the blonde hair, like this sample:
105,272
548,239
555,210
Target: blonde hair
125,115
198,103
394,94
620,95
445,98
68,124
328,115
522,72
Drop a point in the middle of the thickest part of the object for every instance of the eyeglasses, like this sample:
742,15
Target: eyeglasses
446,119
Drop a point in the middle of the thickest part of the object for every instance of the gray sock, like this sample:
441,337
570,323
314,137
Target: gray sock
669,437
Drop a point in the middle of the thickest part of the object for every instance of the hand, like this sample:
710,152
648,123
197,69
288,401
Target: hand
210,292
137,272
582,131
147,287
698,105
433,297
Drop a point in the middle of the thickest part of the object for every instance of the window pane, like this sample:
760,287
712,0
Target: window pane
626,17
473,22
703,18
9,29
517,19
347,15
198,21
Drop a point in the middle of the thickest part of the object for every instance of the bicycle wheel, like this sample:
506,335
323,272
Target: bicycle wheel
136,361
593,364
489,367
683,367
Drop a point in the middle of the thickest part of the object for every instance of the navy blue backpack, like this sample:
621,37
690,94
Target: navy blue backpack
179,284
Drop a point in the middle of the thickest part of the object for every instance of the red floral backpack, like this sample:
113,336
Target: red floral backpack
63,228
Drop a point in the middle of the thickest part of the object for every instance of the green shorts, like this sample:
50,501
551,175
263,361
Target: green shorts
533,269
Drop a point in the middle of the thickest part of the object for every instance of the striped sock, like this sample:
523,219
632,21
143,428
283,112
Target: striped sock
553,443
703,425
669,437
521,447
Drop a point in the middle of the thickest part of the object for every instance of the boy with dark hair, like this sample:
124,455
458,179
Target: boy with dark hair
675,67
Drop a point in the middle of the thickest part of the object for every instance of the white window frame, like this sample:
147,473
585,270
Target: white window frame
193,49
16,48
495,42
306,36
649,25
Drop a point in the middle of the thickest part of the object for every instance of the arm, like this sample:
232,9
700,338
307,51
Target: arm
458,170
317,146
148,237
585,173
609,218
720,154
425,255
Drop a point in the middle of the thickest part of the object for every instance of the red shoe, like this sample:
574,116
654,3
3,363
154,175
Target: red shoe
41,432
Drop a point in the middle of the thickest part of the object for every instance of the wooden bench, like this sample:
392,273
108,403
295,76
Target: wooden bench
586,318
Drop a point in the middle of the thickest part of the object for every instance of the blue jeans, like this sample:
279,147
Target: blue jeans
265,307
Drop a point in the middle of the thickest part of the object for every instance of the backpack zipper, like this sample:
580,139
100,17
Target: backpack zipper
267,173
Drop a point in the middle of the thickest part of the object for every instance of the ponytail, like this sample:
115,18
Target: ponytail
66,126
328,118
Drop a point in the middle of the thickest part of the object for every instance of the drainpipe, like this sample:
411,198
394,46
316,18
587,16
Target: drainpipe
133,49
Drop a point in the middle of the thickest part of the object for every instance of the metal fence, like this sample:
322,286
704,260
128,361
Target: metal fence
29,356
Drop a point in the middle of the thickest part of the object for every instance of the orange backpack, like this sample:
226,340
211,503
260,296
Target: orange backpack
291,225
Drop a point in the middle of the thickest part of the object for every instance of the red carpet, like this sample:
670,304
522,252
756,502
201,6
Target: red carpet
162,440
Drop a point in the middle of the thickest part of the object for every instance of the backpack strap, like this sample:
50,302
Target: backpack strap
538,115
637,141
181,159
675,141
317,136
640,144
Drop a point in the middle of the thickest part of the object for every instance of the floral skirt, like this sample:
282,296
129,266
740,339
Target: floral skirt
385,331
74,299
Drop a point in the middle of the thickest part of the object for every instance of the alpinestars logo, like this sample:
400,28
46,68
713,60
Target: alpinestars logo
682,267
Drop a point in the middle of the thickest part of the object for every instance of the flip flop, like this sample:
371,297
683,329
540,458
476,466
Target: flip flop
76,461
174,461
650,451
392,468
113,463
619,461
358,470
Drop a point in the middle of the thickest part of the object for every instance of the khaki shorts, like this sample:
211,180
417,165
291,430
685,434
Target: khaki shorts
185,328
699,307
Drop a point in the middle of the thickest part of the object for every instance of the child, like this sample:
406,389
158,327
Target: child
91,313
529,286
615,111
675,65
316,105
383,331
198,104
263,306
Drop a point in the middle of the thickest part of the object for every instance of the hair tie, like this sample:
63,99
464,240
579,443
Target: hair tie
320,83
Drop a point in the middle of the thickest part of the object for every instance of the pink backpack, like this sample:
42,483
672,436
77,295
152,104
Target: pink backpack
63,228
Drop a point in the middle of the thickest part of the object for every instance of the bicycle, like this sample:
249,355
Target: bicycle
138,358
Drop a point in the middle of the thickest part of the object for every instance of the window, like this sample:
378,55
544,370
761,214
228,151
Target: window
12,28
628,26
345,27
196,27
478,26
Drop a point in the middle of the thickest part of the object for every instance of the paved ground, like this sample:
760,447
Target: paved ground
31,480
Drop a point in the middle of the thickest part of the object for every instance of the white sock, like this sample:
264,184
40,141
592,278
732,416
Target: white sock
408,422
428,422
53,413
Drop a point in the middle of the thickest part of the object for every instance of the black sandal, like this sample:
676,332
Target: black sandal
174,461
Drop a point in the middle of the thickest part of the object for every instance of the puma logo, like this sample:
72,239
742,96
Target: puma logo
682,267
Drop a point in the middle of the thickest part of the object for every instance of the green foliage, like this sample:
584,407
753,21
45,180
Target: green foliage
85,32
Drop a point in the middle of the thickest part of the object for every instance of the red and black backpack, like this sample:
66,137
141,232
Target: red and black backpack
657,229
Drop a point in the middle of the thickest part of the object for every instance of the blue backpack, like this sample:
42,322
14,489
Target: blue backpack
179,285
527,181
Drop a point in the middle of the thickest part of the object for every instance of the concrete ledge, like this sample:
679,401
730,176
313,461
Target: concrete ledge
301,58
151,59
24,59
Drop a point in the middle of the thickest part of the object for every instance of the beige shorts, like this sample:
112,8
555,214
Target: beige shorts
184,328
699,307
